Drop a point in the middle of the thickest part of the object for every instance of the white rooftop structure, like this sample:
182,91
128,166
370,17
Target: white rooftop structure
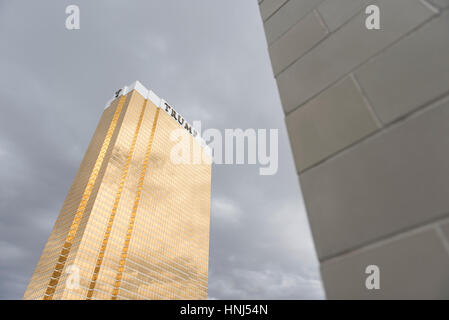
148,94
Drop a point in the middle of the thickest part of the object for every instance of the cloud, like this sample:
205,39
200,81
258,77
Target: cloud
225,210
269,283
270,257
291,221
11,253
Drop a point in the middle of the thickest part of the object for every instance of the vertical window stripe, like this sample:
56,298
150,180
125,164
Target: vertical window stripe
107,233
57,271
124,253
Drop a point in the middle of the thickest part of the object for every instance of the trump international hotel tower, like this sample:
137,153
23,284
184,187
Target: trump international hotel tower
135,224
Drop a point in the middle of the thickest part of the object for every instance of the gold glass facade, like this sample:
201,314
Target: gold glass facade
134,225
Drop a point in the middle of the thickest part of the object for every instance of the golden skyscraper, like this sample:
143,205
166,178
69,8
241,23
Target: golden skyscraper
135,223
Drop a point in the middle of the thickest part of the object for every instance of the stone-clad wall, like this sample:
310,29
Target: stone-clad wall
367,112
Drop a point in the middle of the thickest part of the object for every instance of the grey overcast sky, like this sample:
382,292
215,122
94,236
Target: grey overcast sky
206,58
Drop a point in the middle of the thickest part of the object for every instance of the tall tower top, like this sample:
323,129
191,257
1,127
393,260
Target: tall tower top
160,103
